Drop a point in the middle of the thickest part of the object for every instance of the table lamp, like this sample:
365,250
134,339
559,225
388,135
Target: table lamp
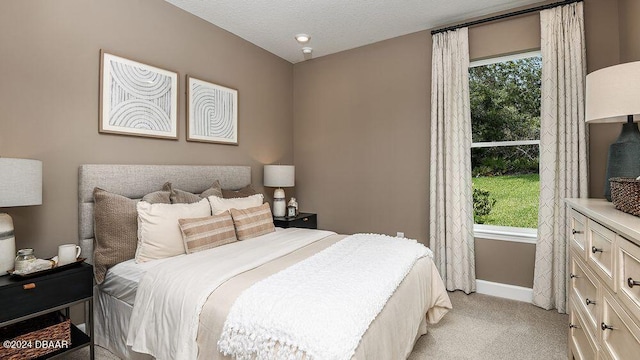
613,95
279,176
20,185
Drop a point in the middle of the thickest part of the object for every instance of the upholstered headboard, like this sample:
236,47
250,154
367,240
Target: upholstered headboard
135,181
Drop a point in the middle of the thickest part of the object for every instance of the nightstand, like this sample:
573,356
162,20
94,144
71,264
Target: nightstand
25,298
303,220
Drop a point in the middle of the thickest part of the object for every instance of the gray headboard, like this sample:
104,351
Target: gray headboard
135,181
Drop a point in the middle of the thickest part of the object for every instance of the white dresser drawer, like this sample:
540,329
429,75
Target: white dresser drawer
628,277
577,236
583,346
606,268
600,251
620,336
584,287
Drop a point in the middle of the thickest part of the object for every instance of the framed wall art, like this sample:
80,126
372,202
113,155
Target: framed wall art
137,99
212,112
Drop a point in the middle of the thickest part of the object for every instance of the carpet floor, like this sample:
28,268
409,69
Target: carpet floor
478,327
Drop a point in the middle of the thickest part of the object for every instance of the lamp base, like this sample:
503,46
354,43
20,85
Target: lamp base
279,203
624,156
7,244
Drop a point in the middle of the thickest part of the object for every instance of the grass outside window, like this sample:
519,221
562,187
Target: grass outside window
517,198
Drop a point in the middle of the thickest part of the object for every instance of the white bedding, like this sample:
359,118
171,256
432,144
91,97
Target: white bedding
165,318
122,280
352,280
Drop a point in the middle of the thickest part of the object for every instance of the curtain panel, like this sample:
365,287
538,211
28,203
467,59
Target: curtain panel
563,147
450,193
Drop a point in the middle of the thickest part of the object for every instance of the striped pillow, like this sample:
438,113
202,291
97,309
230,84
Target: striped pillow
207,232
252,222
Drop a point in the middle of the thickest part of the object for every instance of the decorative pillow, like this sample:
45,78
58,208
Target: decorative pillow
159,197
116,229
253,221
184,197
159,234
219,205
208,232
244,192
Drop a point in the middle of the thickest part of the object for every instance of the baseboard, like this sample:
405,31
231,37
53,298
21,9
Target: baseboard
506,291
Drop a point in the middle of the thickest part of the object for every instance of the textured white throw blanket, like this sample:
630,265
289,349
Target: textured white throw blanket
320,307
170,297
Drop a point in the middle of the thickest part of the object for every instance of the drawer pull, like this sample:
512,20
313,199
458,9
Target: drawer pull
573,276
589,302
574,231
632,282
571,326
604,327
595,249
29,286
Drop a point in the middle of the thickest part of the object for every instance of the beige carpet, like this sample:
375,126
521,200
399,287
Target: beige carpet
479,327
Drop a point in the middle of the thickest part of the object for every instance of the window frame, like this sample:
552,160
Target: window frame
497,232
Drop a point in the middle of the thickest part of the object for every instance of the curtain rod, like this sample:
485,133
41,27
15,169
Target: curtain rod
504,16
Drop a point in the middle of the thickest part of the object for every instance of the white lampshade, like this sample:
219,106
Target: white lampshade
20,182
279,175
20,185
613,93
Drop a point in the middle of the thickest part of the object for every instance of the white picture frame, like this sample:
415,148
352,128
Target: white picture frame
137,99
212,112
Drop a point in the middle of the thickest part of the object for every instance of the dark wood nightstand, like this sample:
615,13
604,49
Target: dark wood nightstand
303,220
22,299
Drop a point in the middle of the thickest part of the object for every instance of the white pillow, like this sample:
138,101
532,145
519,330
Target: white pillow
159,233
220,205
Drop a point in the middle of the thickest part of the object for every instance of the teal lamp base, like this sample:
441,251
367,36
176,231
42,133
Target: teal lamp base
624,155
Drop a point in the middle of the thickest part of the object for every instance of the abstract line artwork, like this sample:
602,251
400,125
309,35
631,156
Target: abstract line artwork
137,99
212,114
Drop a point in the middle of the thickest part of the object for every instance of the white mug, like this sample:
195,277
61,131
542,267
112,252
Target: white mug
68,253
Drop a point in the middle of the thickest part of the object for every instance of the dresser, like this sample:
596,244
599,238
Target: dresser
604,281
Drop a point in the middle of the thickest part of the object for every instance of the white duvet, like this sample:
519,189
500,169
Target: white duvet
320,307
170,297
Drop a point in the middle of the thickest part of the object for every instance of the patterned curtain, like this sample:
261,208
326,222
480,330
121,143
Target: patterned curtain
563,147
450,196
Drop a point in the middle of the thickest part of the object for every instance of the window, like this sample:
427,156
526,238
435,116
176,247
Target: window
505,122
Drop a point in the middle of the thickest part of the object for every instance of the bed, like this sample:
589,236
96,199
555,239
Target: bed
419,299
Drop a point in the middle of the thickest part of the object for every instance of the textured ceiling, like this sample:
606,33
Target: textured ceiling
334,25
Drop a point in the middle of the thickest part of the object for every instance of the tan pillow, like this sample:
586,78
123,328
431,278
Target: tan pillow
208,232
244,192
159,197
159,234
220,205
116,229
184,197
253,222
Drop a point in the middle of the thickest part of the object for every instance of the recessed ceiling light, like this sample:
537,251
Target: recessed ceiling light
303,38
307,50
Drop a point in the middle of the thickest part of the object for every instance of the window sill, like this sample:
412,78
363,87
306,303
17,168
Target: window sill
505,233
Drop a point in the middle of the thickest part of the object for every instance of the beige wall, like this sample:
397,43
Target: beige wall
505,262
361,141
49,66
628,12
616,39
361,132
603,49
